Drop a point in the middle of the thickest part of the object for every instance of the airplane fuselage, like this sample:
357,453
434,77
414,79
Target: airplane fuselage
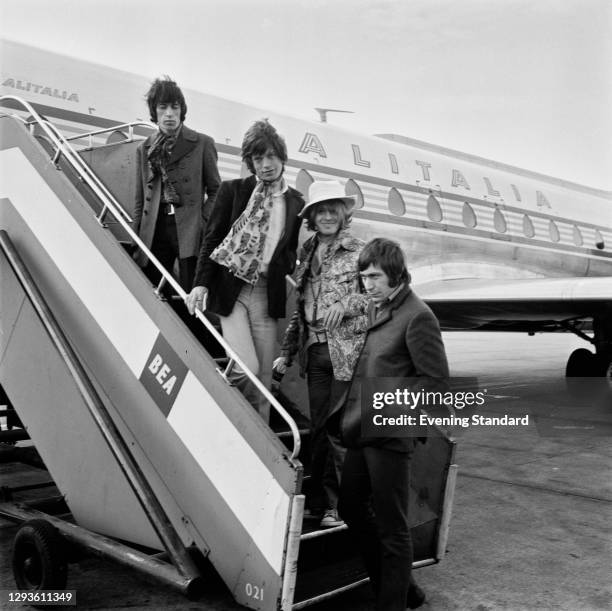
456,215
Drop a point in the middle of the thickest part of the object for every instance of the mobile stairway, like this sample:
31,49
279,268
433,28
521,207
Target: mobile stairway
148,443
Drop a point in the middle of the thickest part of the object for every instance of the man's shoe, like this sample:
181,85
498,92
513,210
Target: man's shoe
313,514
331,519
416,597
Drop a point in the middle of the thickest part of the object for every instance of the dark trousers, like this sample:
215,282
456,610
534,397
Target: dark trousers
165,247
374,503
327,454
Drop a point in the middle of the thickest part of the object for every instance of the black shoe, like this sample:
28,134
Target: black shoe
313,514
415,598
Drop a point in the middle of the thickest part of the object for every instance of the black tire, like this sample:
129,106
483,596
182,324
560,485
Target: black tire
39,559
582,363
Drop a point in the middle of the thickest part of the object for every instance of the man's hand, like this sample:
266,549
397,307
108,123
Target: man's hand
196,300
333,316
280,365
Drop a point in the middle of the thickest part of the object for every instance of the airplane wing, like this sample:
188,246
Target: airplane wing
538,304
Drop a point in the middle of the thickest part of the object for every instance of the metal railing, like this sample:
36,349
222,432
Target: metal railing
115,128
63,148
110,205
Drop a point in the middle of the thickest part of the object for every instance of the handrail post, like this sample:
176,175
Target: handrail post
158,290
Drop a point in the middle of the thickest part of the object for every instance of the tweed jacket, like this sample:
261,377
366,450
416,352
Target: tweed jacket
192,169
223,287
404,342
339,283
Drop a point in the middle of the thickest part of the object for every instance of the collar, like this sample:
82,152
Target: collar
284,187
344,239
387,301
176,134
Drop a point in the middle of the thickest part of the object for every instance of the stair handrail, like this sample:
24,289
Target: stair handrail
75,159
64,148
113,128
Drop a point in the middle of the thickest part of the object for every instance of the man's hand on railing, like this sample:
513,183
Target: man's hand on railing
280,366
196,300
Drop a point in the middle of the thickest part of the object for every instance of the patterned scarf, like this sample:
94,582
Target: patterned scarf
158,158
241,249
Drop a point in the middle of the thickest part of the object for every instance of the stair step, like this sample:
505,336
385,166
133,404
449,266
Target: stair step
321,532
286,434
329,577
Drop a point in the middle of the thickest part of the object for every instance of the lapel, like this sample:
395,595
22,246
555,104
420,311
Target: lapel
309,248
293,206
148,142
185,143
244,193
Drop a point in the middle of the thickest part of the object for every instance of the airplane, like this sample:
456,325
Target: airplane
490,246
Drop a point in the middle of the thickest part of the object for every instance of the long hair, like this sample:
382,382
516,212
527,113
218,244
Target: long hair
260,137
165,91
387,255
345,215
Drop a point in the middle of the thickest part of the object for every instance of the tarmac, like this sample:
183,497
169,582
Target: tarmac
531,525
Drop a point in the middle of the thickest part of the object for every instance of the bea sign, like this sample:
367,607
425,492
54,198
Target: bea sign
163,375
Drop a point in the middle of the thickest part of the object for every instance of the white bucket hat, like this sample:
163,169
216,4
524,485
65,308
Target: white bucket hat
324,190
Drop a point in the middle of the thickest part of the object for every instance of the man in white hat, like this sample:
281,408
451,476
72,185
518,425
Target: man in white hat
327,330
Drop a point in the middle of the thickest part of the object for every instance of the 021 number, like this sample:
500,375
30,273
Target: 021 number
254,591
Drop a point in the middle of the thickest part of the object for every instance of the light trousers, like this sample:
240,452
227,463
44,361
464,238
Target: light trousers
251,332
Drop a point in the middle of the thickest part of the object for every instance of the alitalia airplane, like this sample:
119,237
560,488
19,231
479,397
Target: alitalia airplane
490,246
174,458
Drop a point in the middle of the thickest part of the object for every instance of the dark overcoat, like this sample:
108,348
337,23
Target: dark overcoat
404,342
223,287
192,169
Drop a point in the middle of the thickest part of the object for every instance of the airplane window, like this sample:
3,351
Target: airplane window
499,222
469,216
434,210
577,236
395,202
352,188
303,181
599,241
528,228
553,231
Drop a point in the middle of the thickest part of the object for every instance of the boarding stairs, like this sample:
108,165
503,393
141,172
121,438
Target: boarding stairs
137,423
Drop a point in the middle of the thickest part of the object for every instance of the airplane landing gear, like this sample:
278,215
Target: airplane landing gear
583,363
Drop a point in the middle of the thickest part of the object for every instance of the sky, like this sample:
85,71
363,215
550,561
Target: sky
524,82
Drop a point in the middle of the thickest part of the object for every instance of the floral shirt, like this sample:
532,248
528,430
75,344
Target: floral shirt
339,282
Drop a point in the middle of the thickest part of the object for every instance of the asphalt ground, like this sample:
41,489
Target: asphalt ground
531,525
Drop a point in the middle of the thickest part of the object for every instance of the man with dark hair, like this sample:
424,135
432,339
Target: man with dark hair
249,247
176,185
403,341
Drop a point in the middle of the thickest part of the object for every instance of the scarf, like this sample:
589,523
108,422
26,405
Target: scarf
158,158
241,249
